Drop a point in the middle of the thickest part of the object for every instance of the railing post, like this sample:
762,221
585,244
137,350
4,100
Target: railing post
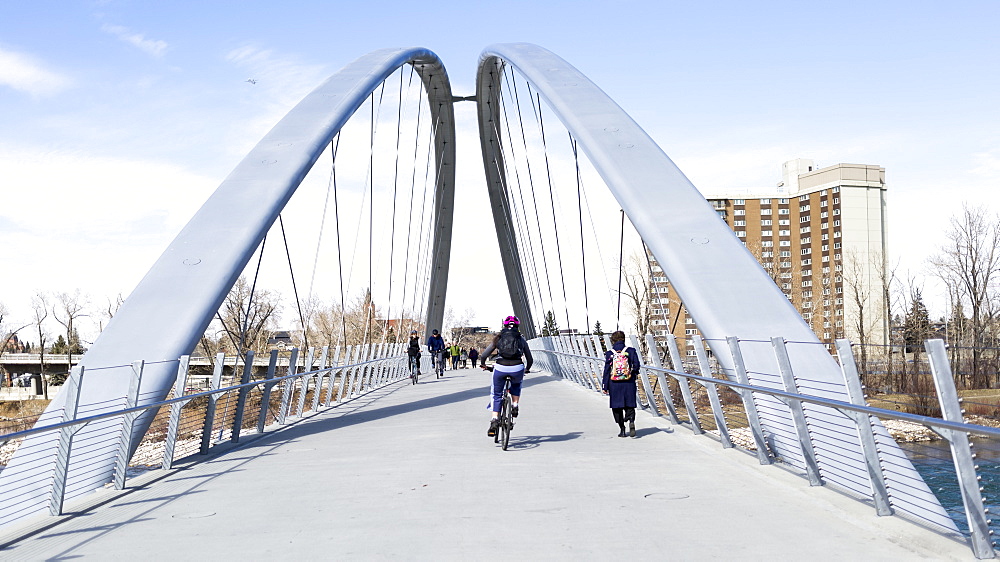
241,400
73,384
749,406
646,387
798,413
684,383
128,421
961,451
345,372
668,400
713,392
331,376
213,399
866,432
288,386
321,372
180,383
265,395
304,381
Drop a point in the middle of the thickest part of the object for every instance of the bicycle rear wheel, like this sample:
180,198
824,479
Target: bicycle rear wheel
506,423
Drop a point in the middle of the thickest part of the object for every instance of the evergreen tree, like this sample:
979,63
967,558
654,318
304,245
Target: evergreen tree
550,327
916,325
598,331
60,345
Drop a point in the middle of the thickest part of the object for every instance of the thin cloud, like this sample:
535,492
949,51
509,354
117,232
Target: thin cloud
152,47
22,72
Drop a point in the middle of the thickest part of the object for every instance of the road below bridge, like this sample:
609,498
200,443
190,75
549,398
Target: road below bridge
408,473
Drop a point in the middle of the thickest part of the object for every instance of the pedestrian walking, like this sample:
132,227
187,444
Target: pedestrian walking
621,365
473,355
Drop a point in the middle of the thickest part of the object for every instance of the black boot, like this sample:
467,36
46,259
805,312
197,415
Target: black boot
622,432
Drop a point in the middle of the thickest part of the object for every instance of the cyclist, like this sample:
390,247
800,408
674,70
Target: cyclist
435,344
511,346
414,351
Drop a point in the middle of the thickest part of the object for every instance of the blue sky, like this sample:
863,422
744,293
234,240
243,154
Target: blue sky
118,118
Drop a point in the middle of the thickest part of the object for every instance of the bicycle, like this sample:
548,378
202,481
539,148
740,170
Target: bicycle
414,370
438,361
506,417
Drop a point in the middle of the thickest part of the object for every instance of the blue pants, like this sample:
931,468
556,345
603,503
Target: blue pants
516,374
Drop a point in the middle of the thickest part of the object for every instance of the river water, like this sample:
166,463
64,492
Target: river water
932,459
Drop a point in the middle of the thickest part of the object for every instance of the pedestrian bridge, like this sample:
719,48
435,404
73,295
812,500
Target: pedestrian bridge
407,472
349,201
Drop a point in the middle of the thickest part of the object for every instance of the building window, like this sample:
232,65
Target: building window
807,272
766,222
804,218
783,212
767,254
836,223
767,244
689,320
765,201
785,254
765,211
836,234
826,270
786,286
805,240
836,190
739,212
807,304
739,202
785,243
824,214
741,233
786,264
825,225
823,202
804,197
782,201
836,245
807,283
826,259
806,251
807,261
803,208
784,222
765,233
739,223
784,233
836,212
805,230
839,301
722,214
825,237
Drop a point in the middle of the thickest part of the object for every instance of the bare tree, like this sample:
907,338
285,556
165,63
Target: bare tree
245,321
68,308
969,264
40,307
636,291
865,277
109,311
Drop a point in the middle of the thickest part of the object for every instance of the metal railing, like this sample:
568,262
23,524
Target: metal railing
723,403
194,423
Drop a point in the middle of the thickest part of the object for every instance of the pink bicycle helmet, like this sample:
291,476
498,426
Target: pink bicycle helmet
511,321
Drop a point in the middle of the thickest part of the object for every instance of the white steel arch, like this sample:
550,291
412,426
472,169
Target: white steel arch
174,303
721,284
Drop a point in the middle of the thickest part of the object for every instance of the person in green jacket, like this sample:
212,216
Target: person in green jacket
456,352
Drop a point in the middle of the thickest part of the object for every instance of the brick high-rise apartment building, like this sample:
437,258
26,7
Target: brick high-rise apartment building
821,235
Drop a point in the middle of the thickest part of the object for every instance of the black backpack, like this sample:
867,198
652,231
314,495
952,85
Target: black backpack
508,344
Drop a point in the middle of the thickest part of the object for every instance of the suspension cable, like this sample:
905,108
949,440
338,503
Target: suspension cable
395,191
531,185
552,204
295,290
409,226
340,261
583,252
621,254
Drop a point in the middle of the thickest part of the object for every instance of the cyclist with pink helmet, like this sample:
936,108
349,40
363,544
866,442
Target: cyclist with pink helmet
514,359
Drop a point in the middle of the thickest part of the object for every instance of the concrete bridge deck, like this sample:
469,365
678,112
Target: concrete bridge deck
408,473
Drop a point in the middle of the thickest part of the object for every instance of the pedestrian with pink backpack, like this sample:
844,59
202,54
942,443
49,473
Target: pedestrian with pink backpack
621,365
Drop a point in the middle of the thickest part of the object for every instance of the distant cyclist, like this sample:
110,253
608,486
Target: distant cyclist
413,351
435,344
511,346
